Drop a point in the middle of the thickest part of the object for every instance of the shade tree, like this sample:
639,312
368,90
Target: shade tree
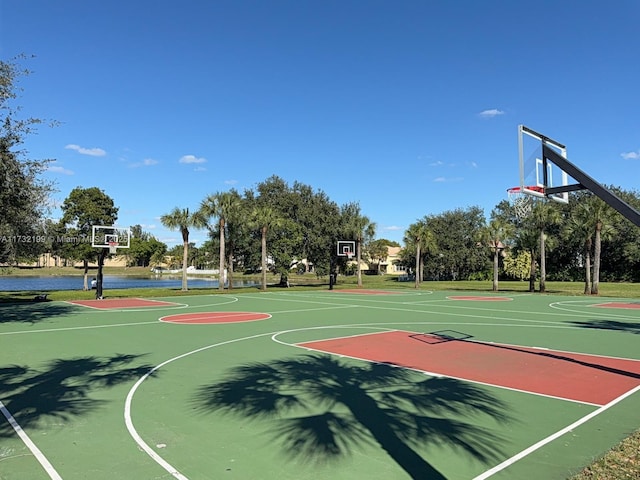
24,192
83,209
144,247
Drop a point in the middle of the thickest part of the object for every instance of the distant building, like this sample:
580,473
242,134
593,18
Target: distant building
387,266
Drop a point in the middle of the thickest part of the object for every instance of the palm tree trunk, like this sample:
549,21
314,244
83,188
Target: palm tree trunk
495,268
85,264
417,265
264,258
358,257
587,268
185,260
595,284
543,265
222,275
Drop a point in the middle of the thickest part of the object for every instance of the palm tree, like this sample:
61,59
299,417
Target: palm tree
221,205
265,218
181,219
361,228
581,225
601,213
496,233
544,215
420,236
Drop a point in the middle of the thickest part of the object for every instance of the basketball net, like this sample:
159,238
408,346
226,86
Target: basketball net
521,203
113,247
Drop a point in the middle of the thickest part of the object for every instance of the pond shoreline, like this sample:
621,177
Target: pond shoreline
6,271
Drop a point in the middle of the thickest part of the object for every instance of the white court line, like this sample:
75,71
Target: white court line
342,337
214,317
139,308
87,327
550,438
563,306
301,301
53,474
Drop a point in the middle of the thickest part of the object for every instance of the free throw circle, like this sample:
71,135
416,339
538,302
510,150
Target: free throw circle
201,318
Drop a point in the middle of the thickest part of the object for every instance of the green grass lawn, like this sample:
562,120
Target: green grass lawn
302,282
620,463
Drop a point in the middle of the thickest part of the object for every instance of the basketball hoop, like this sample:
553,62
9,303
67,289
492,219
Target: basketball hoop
522,200
113,247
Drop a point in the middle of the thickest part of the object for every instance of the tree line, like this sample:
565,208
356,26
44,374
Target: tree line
583,240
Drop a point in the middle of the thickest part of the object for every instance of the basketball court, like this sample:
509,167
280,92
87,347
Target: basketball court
319,384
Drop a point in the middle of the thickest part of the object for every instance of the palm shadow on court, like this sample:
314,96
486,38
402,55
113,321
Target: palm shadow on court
629,327
321,408
63,388
33,312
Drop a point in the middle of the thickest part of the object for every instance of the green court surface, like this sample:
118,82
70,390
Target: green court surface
316,385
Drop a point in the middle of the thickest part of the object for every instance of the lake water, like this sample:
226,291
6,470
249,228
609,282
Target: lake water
47,283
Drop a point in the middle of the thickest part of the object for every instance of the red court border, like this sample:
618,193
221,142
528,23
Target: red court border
474,298
117,303
627,305
577,377
208,318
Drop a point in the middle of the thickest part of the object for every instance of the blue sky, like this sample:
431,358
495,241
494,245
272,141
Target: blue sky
408,107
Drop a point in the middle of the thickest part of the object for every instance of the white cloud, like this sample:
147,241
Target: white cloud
493,112
94,152
59,169
436,163
148,227
392,228
631,155
473,164
200,169
448,180
147,162
230,182
192,159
